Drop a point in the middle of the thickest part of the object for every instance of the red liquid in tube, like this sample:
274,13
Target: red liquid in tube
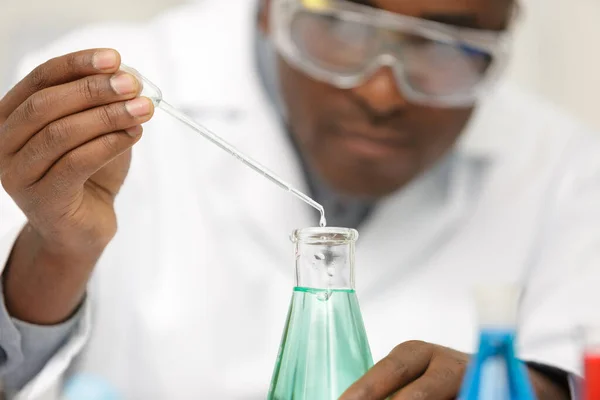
591,389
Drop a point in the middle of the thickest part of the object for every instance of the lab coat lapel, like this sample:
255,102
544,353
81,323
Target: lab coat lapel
409,228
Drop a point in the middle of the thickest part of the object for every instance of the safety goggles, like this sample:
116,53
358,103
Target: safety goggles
344,44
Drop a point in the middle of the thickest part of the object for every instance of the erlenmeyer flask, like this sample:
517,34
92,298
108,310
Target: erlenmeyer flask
324,348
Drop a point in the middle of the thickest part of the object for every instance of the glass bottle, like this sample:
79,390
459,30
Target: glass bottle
324,348
495,372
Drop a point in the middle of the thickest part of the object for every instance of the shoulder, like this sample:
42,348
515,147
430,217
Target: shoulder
550,129
521,129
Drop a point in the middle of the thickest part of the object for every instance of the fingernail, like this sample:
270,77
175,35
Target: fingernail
139,107
105,60
134,131
123,84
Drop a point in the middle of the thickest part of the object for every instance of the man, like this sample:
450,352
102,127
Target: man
372,108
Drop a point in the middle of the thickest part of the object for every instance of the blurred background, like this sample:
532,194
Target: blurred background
556,53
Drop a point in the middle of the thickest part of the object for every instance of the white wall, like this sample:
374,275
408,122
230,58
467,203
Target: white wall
557,50
24,22
557,54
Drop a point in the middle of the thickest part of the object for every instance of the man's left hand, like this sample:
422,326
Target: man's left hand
419,370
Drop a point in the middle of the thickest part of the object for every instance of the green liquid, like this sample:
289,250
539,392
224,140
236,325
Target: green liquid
324,348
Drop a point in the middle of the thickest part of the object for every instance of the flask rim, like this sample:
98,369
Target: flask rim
326,235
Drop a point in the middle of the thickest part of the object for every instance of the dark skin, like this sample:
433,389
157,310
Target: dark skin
369,142
66,132
420,370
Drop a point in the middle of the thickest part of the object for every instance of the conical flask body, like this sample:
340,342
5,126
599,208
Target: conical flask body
324,347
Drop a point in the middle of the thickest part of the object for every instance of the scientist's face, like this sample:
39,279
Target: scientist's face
369,140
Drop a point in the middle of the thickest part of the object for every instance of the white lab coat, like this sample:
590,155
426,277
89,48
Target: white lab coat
190,298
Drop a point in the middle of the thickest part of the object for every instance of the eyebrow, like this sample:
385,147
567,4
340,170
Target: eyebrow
364,2
460,20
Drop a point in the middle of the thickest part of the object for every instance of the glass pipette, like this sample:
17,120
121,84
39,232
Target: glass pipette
151,91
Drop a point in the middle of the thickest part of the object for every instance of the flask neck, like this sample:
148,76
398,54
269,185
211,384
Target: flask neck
325,258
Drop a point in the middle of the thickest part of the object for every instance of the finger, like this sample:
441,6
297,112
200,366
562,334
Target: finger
403,365
75,168
112,177
60,101
58,71
438,383
44,149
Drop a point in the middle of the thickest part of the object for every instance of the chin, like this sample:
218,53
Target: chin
368,190
366,184
371,179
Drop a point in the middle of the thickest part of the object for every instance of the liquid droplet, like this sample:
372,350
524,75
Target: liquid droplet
320,256
330,271
324,296
323,221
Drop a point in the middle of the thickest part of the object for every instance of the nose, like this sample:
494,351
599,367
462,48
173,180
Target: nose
381,93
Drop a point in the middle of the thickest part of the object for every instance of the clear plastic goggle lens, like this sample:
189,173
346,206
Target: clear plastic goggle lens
439,69
349,48
334,44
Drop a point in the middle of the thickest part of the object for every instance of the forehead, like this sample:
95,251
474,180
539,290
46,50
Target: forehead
484,14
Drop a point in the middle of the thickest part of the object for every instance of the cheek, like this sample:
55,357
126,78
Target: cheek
443,127
305,100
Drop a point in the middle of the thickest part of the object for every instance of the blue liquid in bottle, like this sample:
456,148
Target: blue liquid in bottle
495,372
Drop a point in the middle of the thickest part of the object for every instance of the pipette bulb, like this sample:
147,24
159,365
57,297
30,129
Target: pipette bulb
149,89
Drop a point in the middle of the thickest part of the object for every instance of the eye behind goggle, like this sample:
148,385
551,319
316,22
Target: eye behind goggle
443,69
338,45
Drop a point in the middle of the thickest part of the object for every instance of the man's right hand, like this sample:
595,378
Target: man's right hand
66,133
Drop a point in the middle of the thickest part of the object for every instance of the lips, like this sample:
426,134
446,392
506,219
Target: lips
382,139
385,136
373,143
